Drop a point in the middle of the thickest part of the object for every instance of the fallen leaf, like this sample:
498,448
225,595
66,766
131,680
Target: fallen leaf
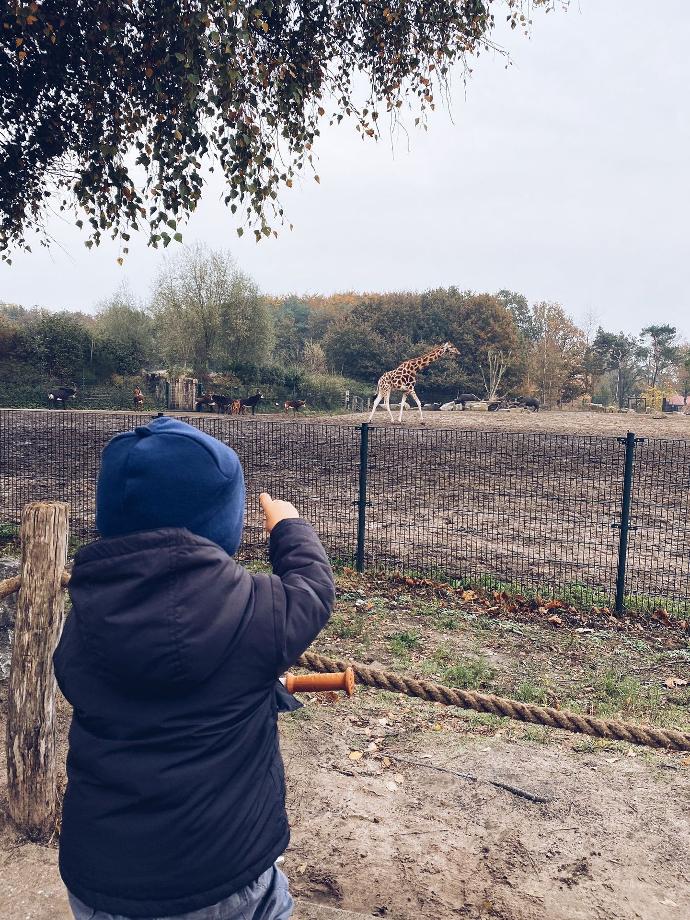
355,755
555,619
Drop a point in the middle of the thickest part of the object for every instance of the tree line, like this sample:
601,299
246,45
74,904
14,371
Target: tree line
206,316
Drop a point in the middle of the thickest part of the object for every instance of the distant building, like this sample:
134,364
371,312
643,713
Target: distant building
676,403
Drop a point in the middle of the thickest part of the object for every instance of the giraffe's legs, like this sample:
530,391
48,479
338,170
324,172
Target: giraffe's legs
416,399
379,397
388,406
402,405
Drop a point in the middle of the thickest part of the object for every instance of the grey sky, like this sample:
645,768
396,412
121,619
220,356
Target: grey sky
564,177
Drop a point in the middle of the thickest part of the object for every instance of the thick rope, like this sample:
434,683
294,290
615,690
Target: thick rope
479,702
9,586
500,706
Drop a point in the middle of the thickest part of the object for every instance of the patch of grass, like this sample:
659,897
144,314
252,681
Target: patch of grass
536,733
530,692
487,719
465,673
402,643
619,692
255,565
341,627
447,619
614,694
587,745
468,675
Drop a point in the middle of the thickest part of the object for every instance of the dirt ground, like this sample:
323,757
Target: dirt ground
378,835
552,421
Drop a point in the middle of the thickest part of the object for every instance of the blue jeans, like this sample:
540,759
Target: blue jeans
266,898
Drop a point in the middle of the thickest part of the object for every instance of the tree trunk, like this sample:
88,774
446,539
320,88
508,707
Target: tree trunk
31,773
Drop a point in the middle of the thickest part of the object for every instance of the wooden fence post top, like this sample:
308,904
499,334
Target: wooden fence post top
31,506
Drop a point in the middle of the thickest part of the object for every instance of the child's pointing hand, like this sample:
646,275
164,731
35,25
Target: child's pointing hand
276,510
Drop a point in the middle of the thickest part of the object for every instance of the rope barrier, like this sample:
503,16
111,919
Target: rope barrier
500,706
10,586
609,729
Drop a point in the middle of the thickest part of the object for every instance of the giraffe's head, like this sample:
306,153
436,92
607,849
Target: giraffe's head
450,349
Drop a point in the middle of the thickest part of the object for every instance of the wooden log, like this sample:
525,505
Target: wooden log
31,770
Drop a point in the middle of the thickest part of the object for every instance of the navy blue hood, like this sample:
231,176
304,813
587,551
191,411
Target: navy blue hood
170,474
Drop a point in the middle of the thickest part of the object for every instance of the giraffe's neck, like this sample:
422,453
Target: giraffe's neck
416,364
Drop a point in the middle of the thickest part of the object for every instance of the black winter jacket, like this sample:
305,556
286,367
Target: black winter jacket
170,655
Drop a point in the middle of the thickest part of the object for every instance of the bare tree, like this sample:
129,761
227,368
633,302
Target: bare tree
210,314
498,363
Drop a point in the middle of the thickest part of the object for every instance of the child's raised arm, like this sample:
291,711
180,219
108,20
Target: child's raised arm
303,590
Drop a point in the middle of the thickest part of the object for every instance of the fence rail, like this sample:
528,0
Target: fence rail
599,520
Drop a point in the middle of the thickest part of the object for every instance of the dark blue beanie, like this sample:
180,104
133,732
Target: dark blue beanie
170,474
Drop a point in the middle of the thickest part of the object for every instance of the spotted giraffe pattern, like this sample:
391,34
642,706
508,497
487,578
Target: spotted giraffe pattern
404,378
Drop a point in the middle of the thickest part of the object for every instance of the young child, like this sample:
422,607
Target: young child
175,801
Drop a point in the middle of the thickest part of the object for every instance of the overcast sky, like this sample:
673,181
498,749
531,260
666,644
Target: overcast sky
564,177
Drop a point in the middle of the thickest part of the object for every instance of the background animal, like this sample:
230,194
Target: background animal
60,395
224,403
250,403
206,400
294,404
528,402
467,397
138,398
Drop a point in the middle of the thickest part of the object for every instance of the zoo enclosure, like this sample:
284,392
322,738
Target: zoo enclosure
600,520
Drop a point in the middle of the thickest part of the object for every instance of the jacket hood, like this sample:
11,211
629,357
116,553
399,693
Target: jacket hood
159,608
171,474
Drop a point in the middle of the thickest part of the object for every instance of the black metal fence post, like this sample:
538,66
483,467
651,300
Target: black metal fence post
630,440
362,502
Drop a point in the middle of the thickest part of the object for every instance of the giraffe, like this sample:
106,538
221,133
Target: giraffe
404,377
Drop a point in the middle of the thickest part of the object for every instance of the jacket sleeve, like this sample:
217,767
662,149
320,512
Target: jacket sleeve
302,586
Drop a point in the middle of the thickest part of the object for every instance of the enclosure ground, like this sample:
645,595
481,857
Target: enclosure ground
552,421
506,507
382,837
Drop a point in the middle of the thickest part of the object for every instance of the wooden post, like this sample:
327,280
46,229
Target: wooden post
31,773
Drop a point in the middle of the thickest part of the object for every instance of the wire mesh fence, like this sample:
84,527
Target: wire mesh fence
525,512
